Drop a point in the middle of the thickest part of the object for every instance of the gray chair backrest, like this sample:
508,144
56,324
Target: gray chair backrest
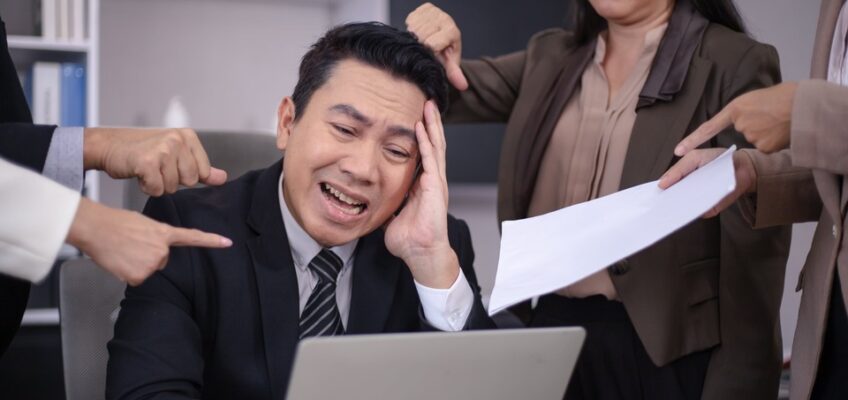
89,300
234,152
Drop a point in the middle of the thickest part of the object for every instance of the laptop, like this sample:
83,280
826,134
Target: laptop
497,364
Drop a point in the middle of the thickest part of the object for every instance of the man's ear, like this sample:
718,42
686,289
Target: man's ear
285,122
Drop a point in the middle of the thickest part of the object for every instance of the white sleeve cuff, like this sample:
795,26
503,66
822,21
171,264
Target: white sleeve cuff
447,309
37,214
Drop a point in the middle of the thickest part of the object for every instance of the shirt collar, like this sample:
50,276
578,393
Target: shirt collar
649,46
304,247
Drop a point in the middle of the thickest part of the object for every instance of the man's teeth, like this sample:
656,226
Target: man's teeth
341,196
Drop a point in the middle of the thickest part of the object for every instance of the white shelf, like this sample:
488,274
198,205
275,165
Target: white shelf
39,43
41,317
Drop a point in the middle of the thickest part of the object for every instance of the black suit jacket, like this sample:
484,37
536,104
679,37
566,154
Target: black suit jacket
224,323
24,144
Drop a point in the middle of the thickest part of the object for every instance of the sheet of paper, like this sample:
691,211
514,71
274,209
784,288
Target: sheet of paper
542,254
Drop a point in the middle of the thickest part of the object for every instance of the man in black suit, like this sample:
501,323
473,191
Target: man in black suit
348,234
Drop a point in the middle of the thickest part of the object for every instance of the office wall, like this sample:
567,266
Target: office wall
789,25
230,61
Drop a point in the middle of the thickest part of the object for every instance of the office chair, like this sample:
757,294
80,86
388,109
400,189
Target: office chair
234,152
89,300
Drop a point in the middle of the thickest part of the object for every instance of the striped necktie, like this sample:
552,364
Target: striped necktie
321,316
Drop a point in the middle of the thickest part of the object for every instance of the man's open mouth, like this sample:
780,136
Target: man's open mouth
344,202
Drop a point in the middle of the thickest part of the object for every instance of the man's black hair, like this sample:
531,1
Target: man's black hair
397,52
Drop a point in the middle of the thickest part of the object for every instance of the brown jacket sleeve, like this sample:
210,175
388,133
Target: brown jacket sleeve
493,85
785,194
820,127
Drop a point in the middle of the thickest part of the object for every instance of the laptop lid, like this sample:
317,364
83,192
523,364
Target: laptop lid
496,364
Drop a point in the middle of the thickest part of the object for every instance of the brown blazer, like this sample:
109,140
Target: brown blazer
787,191
672,291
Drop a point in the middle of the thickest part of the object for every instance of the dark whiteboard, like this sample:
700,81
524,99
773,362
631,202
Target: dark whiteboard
489,28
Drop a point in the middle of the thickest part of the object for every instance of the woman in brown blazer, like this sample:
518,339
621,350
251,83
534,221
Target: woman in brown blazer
600,109
804,177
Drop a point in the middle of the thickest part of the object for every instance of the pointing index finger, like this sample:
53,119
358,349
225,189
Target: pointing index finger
196,238
706,131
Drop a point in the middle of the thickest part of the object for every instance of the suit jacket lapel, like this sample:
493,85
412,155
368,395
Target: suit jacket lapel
276,279
827,183
677,74
658,128
824,37
375,275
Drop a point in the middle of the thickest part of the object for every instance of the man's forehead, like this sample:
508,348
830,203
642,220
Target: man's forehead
374,91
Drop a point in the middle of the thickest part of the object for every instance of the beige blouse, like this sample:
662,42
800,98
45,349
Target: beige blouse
585,156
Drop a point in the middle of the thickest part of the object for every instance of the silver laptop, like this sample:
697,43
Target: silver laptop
498,364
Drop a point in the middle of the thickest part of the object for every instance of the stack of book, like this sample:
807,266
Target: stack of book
60,20
63,19
56,93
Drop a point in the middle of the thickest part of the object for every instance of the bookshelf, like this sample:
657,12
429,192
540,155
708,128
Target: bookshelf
48,45
25,52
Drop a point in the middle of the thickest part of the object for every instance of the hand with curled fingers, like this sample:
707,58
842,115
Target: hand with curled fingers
746,174
419,233
161,159
129,245
438,31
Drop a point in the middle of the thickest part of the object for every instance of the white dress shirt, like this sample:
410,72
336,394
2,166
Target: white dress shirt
445,309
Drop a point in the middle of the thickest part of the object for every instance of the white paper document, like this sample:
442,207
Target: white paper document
542,254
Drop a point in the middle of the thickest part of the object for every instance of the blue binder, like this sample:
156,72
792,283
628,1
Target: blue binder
73,94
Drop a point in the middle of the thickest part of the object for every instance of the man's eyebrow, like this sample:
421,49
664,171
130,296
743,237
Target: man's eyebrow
397,130
352,112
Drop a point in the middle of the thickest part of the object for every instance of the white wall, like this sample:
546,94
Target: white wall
231,61
790,26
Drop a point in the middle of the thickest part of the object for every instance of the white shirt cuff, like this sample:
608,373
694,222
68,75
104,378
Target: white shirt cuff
447,309
37,214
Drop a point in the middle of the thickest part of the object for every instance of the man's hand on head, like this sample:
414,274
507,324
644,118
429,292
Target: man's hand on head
438,31
161,159
129,245
419,233
764,116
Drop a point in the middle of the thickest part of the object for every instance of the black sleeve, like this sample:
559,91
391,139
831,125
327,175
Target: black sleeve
156,351
20,141
28,151
13,105
14,294
25,144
